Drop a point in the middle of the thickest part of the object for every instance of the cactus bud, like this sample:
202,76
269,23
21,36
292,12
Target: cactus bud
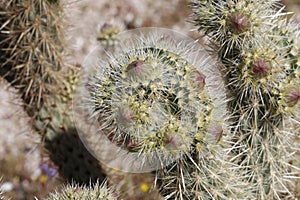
124,116
261,68
198,79
216,131
292,96
239,22
138,69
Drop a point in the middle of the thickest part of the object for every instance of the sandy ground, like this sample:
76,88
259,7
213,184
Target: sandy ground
15,132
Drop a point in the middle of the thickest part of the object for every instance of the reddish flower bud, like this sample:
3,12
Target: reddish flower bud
198,79
131,144
137,69
261,68
216,131
239,22
293,97
124,116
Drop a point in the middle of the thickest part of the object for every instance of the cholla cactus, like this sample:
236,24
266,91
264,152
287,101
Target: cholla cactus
233,23
163,99
107,35
152,101
31,49
73,191
257,48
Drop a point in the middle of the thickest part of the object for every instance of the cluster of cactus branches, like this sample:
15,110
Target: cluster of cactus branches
259,50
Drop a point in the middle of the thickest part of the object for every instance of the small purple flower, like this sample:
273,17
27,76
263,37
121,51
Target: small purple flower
49,171
44,168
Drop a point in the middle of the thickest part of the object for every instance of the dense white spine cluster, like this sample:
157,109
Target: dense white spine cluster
163,97
93,191
150,99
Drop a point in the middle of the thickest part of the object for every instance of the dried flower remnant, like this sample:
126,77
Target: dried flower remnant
292,96
198,79
261,68
239,22
138,69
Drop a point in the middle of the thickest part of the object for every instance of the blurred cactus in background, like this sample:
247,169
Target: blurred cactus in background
31,48
107,35
256,44
32,60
